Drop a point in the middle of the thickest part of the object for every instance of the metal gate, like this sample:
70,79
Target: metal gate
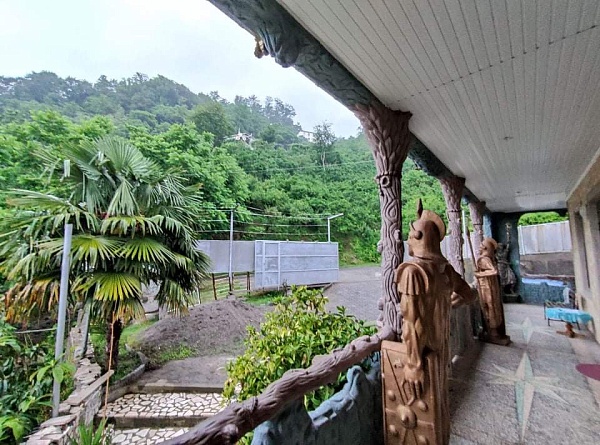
267,262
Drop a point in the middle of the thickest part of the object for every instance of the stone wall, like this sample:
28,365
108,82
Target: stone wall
84,402
556,265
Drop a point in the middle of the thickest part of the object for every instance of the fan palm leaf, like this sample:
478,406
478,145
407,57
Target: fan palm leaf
112,286
130,225
146,250
133,225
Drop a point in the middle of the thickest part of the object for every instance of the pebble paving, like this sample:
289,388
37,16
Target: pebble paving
166,405
145,436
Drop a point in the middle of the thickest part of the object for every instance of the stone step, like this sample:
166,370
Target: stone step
144,436
162,410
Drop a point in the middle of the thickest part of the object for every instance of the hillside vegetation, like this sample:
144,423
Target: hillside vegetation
279,185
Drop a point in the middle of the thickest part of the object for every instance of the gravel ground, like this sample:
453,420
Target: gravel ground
358,290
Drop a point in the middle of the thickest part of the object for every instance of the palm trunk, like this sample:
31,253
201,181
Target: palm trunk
113,336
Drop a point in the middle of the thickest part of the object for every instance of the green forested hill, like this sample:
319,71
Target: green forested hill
281,186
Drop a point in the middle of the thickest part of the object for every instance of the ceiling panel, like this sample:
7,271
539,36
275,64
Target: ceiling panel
504,92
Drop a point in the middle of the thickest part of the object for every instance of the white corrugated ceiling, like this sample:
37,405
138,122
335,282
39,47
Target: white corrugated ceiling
504,92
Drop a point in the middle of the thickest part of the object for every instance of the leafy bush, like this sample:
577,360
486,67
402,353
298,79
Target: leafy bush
26,376
297,330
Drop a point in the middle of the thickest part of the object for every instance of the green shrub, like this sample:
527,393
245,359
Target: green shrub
297,330
26,376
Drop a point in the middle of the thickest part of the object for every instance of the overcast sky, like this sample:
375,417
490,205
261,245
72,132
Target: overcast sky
189,41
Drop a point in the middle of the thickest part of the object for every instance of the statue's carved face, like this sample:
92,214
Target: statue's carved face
486,249
414,237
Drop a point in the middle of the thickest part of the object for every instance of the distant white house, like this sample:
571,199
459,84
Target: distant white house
244,137
308,135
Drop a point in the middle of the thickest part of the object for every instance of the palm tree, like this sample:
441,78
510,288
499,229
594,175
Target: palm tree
132,225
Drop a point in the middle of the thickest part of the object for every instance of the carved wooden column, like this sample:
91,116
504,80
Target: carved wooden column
477,209
452,187
460,327
388,135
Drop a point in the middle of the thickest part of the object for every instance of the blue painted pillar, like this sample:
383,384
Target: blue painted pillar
487,225
501,224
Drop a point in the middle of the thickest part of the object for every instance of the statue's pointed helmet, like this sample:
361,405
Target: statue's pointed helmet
428,215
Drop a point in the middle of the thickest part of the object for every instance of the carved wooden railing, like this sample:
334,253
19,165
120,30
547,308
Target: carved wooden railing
237,419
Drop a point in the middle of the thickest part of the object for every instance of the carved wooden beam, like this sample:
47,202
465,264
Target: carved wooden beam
390,140
477,209
227,427
452,188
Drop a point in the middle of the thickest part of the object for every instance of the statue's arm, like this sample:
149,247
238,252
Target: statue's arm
412,282
412,330
461,291
486,267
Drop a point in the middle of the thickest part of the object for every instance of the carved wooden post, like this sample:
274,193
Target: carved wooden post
460,327
452,188
388,135
477,209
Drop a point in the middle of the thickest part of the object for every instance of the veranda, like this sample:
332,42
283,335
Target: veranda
499,101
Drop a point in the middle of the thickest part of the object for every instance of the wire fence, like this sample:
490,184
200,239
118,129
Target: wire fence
250,223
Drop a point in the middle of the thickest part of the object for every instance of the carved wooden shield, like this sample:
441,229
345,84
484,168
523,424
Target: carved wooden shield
407,420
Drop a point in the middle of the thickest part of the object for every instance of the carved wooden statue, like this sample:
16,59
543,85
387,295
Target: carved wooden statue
490,296
415,372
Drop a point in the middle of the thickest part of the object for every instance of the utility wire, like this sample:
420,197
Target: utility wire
340,164
264,224
301,214
282,225
283,217
276,233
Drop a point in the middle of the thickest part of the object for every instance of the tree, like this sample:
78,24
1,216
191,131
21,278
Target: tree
211,117
132,226
324,140
541,218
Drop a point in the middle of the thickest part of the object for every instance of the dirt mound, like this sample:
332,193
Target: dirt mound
213,328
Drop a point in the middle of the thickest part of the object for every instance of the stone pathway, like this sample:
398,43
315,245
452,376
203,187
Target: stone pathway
166,405
144,419
145,436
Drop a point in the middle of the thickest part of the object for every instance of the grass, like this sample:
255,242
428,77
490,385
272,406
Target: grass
132,332
128,360
356,265
177,353
262,298
222,287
